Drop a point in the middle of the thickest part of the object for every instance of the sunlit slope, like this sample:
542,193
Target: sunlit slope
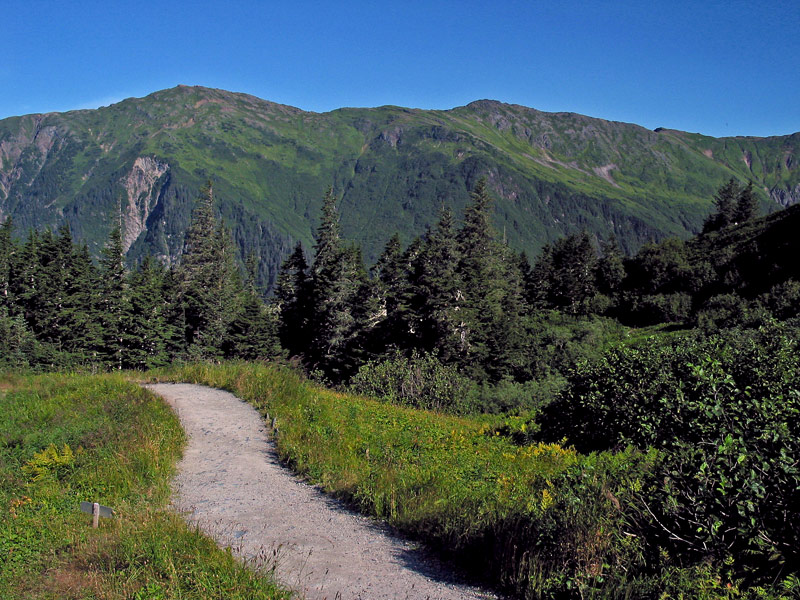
141,162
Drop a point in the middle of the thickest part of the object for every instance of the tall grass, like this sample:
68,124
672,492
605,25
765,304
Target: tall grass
66,439
539,521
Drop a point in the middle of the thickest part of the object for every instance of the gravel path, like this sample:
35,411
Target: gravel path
231,484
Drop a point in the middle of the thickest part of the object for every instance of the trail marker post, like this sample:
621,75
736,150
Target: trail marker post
97,511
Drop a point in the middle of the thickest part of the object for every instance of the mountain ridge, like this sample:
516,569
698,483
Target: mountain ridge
552,173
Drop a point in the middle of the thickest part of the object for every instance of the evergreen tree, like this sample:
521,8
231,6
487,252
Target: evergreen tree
490,315
336,289
725,201
8,253
746,205
254,330
114,313
292,298
386,316
573,276
610,268
439,288
82,330
210,280
152,335
539,280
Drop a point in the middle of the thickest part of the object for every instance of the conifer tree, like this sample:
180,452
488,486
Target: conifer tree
610,269
114,310
439,288
210,280
725,201
573,275
336,286
539,279
8,252
492,290
746,205
293,302
152,335
254,330
80,310
386,317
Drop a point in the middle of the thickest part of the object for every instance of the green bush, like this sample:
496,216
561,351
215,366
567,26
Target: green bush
724,411
420,380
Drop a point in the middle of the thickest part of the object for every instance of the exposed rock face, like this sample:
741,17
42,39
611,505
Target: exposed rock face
142,196
786,197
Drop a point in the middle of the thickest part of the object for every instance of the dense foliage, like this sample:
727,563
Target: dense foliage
58,308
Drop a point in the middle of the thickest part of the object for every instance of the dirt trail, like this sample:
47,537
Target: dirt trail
232,485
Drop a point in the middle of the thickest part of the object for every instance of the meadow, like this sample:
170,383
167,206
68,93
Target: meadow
71,438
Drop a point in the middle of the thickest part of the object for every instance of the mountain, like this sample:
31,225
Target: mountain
142,161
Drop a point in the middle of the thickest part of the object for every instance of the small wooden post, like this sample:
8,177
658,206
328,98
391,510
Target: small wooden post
95,514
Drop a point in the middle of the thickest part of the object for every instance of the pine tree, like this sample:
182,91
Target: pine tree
746,205
293,302
254,330
490,314
725,201
210,281
114,310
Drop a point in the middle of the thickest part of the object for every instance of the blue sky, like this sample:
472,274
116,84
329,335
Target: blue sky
719,68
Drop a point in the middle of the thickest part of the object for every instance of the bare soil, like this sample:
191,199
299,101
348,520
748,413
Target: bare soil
231,484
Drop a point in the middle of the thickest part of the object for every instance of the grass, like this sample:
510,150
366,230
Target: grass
69,438
539,521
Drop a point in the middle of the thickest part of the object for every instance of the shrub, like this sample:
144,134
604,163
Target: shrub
420,380
724,411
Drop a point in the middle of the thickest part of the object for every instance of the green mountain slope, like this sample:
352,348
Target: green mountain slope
142,161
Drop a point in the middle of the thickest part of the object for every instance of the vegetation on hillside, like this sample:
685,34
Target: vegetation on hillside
588,425
552,174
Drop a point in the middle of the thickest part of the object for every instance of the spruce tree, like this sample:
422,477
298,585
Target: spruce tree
439,289
336,289
746,205
610,268
253,331
152,334
8,253
114,313
725,201
210,280
490,314
386,317
573,276
540,279
293,302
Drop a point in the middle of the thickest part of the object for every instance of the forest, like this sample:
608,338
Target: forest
664,386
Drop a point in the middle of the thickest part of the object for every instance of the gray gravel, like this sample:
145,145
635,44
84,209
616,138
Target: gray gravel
231,484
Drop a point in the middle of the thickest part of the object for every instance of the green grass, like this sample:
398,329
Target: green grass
66,439
539,521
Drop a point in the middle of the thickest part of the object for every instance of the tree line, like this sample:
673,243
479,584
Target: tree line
458,296
59,308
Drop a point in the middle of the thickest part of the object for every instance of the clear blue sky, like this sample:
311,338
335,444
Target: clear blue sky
720,68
